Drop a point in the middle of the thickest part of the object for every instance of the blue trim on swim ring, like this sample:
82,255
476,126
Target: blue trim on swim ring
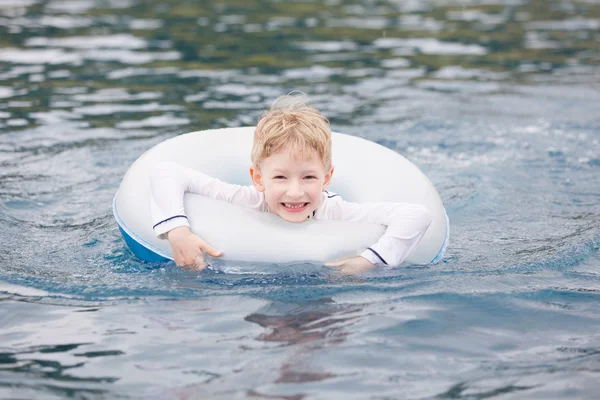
440,253
140,251
140,248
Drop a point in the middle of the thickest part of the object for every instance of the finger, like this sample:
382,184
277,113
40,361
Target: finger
211,251
340,262
336,263
189,260
179,260
183,258
185,261
188,263
199,262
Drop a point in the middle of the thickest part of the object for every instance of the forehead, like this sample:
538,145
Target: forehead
294,158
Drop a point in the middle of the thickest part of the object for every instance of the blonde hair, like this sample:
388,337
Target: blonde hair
292,121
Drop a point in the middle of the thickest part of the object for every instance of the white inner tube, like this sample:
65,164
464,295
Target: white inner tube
364,172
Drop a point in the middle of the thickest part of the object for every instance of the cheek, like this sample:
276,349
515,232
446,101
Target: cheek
315,191
273,192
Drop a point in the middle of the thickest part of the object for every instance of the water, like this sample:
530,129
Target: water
497,101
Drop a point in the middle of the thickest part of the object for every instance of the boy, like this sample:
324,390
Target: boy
291,169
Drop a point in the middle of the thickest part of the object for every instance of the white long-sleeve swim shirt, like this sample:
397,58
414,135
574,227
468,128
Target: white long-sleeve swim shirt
406,223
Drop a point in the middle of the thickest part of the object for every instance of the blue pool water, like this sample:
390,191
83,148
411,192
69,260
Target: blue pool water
496,101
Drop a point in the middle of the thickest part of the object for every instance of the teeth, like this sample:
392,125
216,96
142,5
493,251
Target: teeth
288,205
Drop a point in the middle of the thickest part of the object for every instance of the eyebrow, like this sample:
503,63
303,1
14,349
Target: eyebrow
308,171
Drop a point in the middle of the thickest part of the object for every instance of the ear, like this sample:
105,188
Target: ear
327,179
256,177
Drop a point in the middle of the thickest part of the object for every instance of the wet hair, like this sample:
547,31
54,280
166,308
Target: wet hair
294,123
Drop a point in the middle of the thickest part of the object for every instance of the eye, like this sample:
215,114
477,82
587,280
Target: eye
279,177
310,177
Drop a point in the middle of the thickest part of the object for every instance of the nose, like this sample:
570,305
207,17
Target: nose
295,189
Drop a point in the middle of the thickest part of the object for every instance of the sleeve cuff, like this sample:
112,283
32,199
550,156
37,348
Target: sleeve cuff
162,228
371,257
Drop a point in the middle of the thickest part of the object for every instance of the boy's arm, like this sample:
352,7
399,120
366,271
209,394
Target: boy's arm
406,225
170,181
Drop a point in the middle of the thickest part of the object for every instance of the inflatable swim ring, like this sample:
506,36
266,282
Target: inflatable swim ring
365,172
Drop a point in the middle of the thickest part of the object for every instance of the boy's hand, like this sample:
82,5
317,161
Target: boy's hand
351,265
187,248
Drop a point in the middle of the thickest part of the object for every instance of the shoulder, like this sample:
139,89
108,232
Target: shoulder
331,206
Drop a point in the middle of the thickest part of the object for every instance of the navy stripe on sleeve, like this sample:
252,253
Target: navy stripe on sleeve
329,196
168,219
378,256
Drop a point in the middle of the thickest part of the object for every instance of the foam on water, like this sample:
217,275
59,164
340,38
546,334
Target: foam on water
430,46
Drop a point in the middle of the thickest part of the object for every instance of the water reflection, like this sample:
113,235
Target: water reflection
309,328
317,321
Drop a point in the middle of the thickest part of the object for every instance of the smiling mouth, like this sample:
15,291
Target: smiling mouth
294,207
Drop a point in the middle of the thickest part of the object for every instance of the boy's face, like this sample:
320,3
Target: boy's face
292,185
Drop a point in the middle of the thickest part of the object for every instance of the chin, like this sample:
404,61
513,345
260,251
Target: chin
294,218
